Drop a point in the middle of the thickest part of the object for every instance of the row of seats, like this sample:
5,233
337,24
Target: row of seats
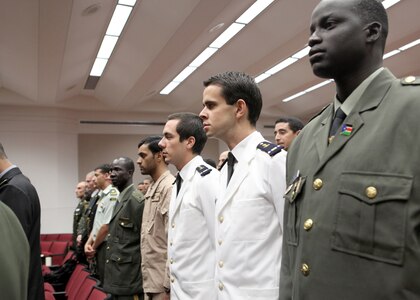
81,286
57,250
56,237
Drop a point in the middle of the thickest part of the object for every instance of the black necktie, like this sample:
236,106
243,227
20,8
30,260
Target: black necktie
178,182
231,162
338,120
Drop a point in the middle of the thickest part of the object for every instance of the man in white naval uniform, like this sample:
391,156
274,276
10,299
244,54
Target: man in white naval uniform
249,209
191,253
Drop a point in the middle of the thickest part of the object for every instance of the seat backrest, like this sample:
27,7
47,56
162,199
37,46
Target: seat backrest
72,292
74,276
51,236
86,288
45,246
98,294
66,237
58,249
49,295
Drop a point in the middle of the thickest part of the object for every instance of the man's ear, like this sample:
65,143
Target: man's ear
373,32
297,132
190,142
241,108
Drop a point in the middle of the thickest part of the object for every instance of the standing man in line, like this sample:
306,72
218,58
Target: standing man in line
94,247
352,209
17,192
286,129
123,260
154,229
249,209
191,243
14,256
79,211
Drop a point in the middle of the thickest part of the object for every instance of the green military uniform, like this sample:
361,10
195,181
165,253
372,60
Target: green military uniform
77,216
352,212
14,256
123,277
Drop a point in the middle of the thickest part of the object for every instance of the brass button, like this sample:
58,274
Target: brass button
221,286
221,219
308,224
109,234
220,242
107,261
171,261
107,248
173,225
371,192
122,223
170,243
221,264
305,269
317,184
172,279
119,258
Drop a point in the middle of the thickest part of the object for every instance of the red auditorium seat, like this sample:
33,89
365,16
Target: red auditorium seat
52,236
98,294
49,295
86,288
58,251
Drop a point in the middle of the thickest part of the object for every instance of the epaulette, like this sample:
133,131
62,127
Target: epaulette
203,170
410,80
138,195
270,148
320,112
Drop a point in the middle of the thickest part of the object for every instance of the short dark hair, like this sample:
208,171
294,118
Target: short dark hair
294,123
373,11
2,152
190,125
238,85
105,168
152,143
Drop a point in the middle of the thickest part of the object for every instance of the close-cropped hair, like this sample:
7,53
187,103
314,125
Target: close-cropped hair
294,123
190,125
128,164
373,11
152,143
105,168
238,85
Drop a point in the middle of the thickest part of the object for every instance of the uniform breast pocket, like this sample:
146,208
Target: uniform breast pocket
191,225
127,228
292,195
154,211
250,219
371,215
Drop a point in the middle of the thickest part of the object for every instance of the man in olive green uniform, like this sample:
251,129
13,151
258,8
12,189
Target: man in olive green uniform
353,202
122,268
14,256
79,211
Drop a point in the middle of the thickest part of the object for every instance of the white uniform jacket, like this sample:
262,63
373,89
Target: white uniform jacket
249,222
191,233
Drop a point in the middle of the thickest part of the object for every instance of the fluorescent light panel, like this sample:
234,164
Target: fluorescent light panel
116,25
253,11
219,42
388,3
